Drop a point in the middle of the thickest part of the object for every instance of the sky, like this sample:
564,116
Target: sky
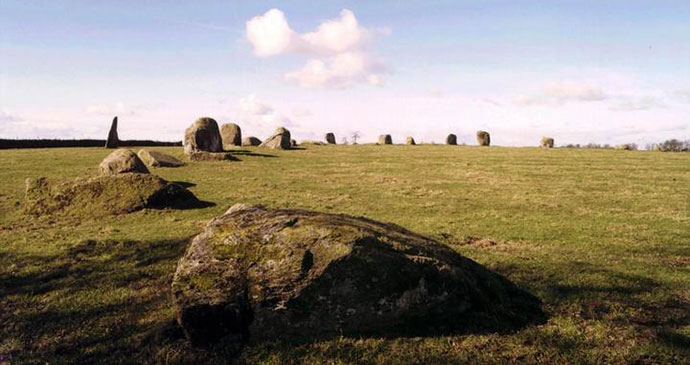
579,71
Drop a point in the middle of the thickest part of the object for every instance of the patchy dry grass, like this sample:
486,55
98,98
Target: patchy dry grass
602,236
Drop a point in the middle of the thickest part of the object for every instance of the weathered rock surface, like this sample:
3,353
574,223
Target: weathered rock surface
251,141
158,159
296,274
452,139
410,141
202,135
231,134
483,138
122,161
280,140
330,138
546,142
105,195
385,139
113,141
211,156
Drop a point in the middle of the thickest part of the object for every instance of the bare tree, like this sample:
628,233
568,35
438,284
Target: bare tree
355,136
343,140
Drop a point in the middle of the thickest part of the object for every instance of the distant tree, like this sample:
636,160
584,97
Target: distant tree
344,140
355,136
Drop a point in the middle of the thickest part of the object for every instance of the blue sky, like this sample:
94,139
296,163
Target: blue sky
580,71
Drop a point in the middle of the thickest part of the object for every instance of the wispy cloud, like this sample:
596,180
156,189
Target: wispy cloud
559,93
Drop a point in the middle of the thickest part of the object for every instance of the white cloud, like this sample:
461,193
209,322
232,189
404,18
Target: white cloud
253,106
638,103
682,95
336,47
260,113
270,33
558,93
339,71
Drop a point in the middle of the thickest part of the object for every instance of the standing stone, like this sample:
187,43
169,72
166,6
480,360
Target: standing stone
203,135
251,141
122,161
280,140
452,140
385,139
546,142
330,138
410,141
483,138
231,134
112,141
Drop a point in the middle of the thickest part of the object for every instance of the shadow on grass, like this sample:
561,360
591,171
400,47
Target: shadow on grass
96,302
612,295
250,153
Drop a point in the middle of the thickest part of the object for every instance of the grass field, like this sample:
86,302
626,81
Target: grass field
601,236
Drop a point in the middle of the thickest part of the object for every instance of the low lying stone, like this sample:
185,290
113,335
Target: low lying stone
122,161
251,141
105,195
452,140
483,138
268,274
211,156
158,159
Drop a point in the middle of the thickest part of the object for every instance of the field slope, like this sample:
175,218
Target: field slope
601,236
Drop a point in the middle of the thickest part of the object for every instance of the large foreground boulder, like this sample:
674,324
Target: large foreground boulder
546,142
231,134
158,159
202,135
280,140
105,195
452,140
385,139
251,141
330,138
212,156
295,274
483,138
122,161
113,141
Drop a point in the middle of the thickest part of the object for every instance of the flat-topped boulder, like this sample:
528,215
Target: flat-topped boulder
122,161
211,156
202,135
105,195
251,141
158,159
231,135
280,140
270,274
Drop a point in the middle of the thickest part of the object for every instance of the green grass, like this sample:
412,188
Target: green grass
601,236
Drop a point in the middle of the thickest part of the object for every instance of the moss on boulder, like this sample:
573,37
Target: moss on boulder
293,274
105,195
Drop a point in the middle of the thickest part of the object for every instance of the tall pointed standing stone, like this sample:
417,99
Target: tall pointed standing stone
112,140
